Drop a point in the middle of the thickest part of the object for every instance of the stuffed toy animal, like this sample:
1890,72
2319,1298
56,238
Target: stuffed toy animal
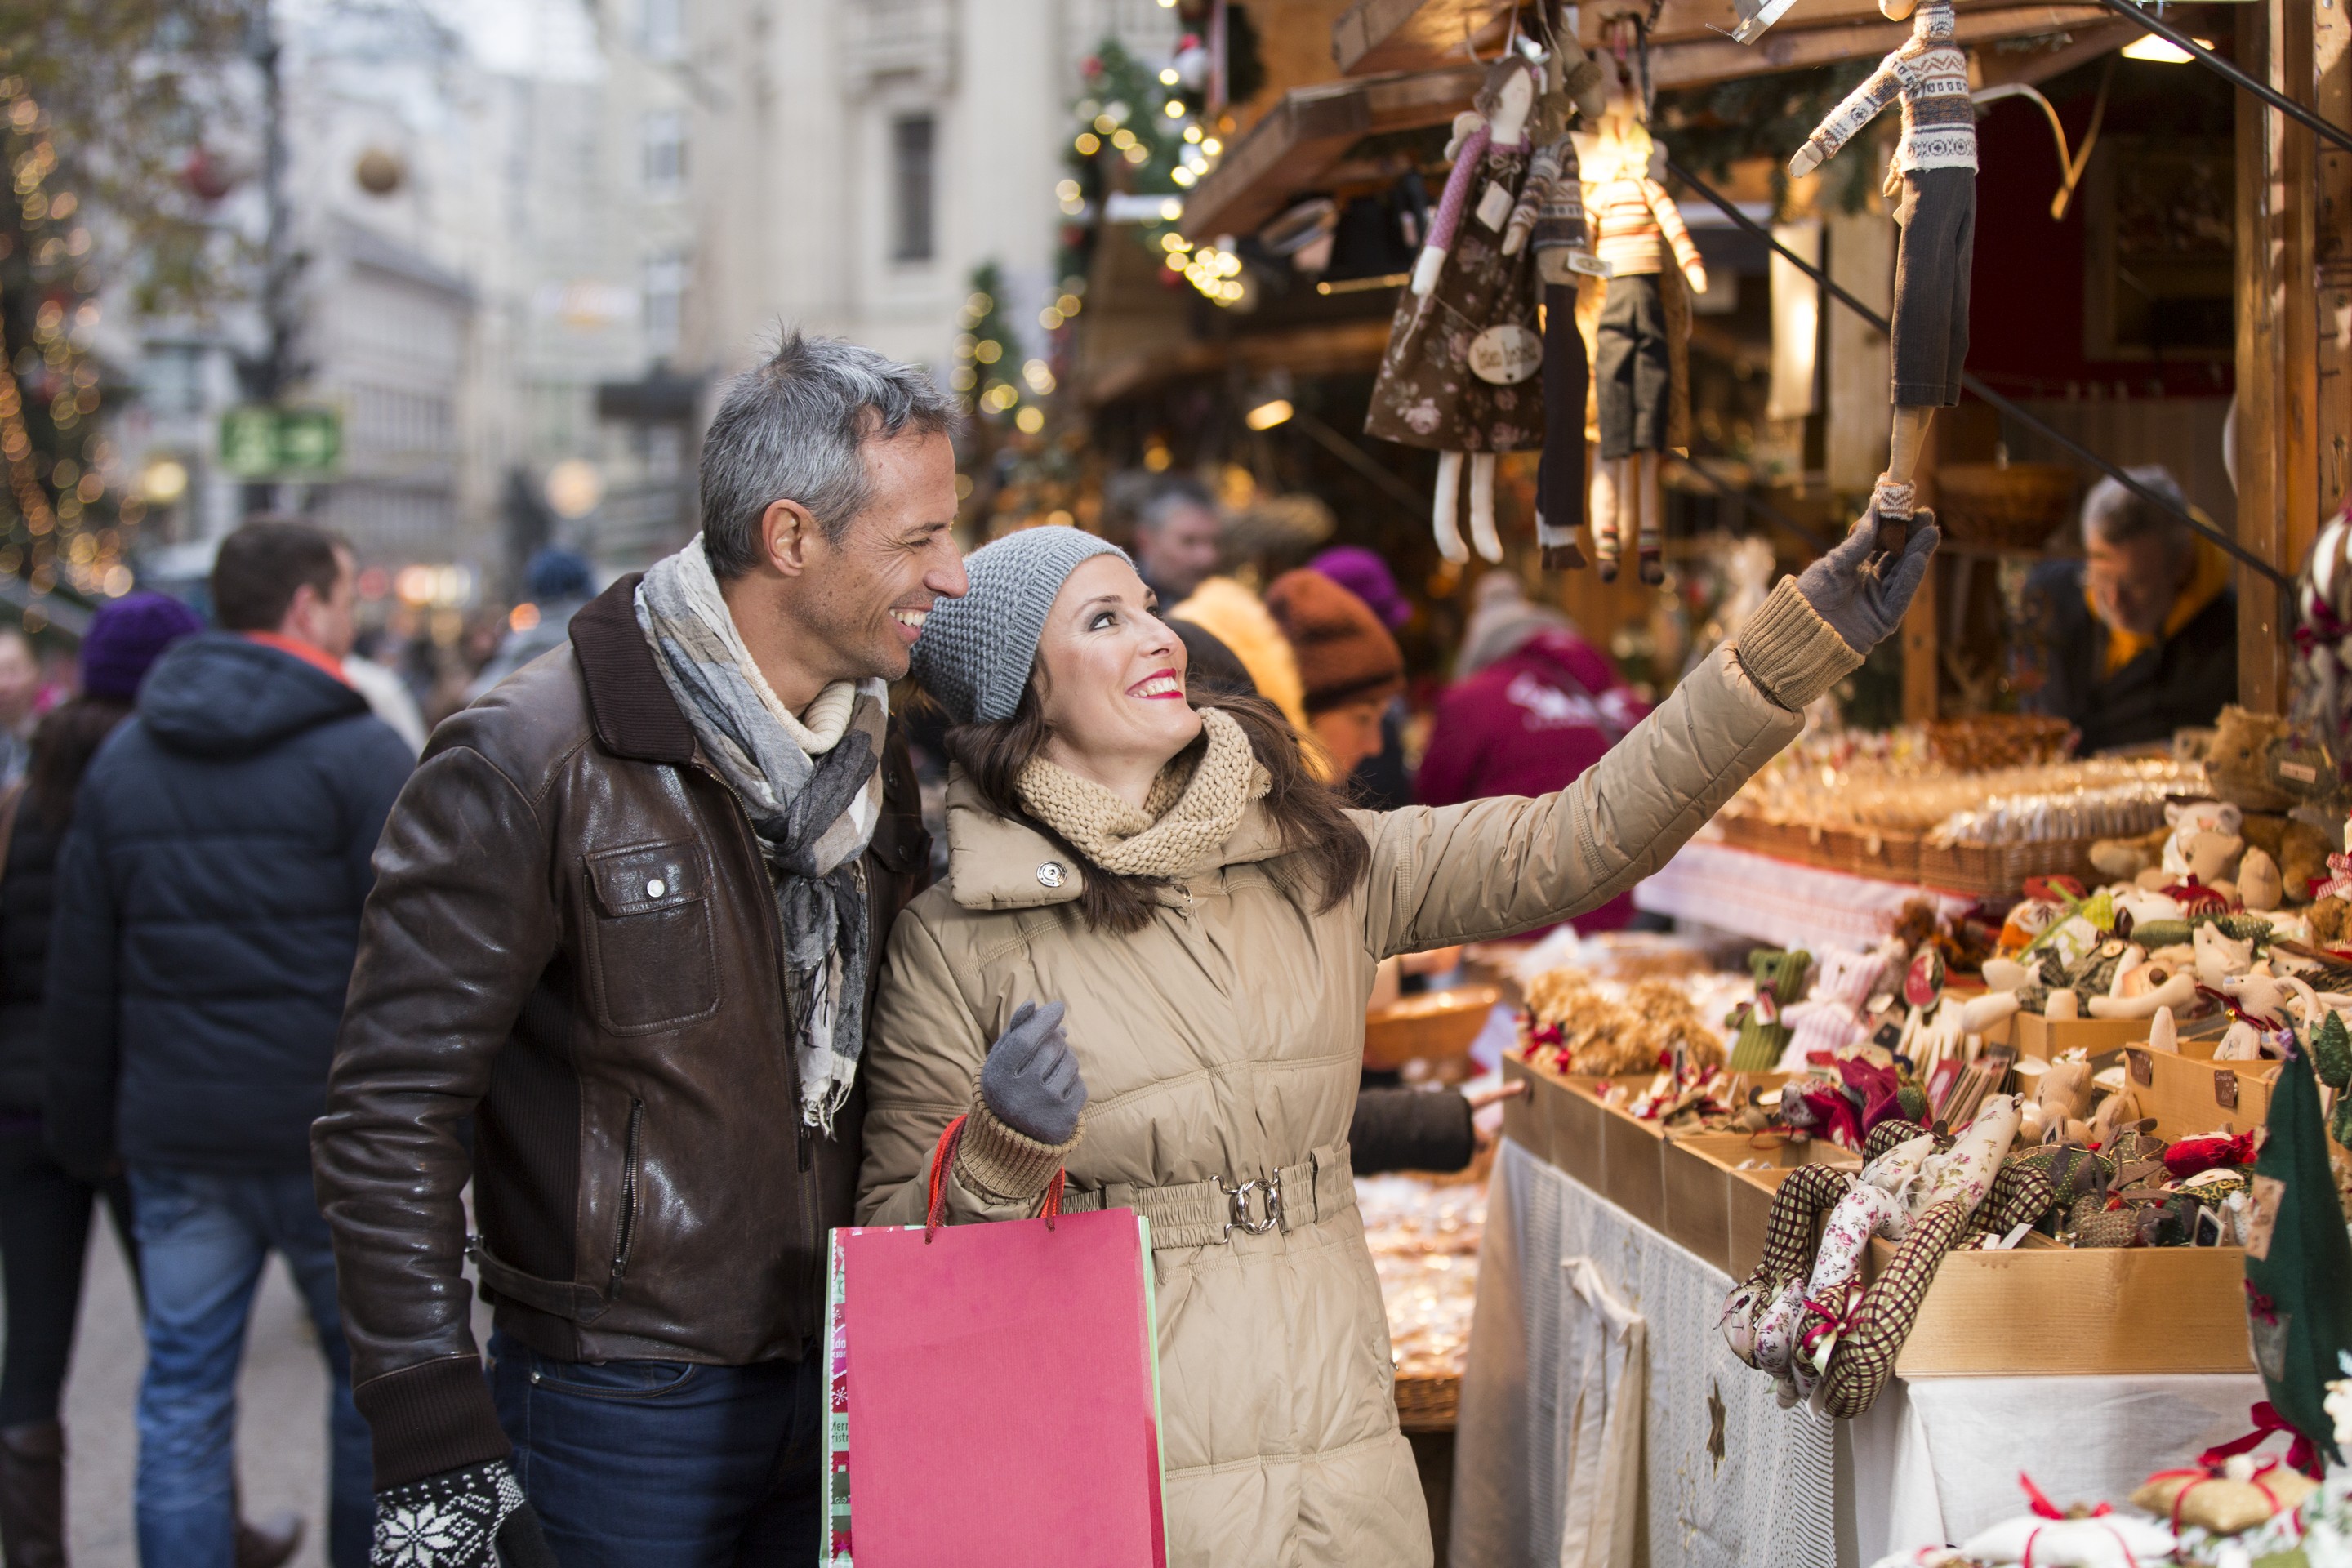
2185,820
1831,1019
2237,764
2062,1101
2123,859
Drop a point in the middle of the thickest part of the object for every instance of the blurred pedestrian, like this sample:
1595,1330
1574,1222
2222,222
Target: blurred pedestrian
20,701
629,917
1348,666
1381,782
45,1210
2140,637
1179,536
1241,626
559,583
1532,706
208,901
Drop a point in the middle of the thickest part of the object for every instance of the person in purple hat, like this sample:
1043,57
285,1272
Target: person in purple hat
1381,782
44,1209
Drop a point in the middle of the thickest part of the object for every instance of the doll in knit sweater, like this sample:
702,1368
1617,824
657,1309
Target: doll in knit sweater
1464,351
1635,225
1933,182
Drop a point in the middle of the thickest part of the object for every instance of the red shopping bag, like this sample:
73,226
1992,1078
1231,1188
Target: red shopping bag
996,1396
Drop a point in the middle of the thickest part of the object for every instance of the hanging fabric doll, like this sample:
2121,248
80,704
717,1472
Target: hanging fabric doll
1644,323
1458,376
1550,215
1932,183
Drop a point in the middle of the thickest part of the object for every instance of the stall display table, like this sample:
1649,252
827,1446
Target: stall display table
1781,903
1724,1475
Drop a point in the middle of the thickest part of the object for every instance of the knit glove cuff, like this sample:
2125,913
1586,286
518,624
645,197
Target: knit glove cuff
449,1520
1790,651
1004,1165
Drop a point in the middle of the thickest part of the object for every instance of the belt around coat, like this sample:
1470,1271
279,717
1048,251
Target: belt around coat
1207,1213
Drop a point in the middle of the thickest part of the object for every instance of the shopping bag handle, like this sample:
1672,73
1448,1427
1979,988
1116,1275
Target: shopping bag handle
935,1211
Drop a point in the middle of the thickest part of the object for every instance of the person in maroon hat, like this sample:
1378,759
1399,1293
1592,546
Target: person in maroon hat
44,1209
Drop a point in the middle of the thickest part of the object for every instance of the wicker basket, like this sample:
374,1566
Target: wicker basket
2015,508
1432,1027
1981,742
1989,868
1428,1402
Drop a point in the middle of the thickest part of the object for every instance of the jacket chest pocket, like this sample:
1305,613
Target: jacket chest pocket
652,959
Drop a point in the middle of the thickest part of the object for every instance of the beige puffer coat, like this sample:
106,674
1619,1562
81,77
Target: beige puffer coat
1224,1041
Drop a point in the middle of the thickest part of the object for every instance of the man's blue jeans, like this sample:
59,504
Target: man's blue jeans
202,1238
642,1464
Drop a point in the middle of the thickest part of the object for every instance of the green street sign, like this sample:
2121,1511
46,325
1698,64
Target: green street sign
258,441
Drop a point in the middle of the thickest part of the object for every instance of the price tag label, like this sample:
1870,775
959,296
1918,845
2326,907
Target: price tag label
1493,205
1506,355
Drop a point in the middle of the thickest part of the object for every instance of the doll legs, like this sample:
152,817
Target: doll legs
1560,476
1449,486
1651,539
1482,506
1929,340
1609,481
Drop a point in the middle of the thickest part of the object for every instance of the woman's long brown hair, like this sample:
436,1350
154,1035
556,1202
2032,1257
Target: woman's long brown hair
68,738
1325,851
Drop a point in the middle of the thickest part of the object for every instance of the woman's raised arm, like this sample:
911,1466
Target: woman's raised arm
1490,868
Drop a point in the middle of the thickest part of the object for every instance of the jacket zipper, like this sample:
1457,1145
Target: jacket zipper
628,1195
812,1219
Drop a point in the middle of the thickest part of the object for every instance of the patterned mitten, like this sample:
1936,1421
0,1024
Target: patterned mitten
471,1517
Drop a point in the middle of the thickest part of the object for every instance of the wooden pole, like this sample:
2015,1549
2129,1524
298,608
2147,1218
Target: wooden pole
2278,336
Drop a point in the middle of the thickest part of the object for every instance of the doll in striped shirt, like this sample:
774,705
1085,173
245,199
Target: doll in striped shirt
1932,183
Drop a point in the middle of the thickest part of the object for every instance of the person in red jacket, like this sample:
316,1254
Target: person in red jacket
1531,707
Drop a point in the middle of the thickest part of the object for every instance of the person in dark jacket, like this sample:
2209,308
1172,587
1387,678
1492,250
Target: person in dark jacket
45,1209
208,901
2140,637
629,917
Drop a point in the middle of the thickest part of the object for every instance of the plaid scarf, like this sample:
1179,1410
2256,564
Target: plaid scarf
812,786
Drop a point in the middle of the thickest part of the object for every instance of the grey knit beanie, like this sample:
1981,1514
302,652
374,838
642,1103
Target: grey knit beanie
975,652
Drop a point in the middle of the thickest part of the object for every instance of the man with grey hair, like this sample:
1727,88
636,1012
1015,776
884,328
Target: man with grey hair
2140,637
625,920
1178,537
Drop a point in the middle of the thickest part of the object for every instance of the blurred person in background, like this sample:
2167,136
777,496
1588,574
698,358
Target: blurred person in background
1178,537
2139,638
1532,706
1381,782
208,901
559,583
1348,666
387,698
45,1210
1249,655
20,701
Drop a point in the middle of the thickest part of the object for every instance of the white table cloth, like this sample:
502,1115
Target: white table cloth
1779,901
1726,1476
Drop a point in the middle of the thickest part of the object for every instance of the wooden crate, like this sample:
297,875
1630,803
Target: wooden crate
2042,1308
2035,1036
2190,1094
1713,1210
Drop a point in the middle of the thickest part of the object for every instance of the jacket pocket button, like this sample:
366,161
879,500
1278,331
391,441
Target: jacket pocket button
656,888
1049,875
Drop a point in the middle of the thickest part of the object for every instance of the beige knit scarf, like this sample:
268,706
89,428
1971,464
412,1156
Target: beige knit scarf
1184,817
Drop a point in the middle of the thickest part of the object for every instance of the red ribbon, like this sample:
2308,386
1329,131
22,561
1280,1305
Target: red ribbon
2207,1474
2045,1509
2301,1453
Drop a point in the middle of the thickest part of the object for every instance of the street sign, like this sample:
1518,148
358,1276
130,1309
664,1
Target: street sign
258,441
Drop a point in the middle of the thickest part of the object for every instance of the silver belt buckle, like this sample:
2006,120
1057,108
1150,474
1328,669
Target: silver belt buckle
1238,1206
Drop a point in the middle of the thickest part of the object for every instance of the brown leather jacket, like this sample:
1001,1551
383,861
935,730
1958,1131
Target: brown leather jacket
573,939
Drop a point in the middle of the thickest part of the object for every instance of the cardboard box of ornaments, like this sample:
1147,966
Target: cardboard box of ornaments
2039,1308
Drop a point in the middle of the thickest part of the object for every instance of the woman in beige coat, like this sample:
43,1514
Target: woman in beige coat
1211,918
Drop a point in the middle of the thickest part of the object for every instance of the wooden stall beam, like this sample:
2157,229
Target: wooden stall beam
1699,62
1415,35
1298,141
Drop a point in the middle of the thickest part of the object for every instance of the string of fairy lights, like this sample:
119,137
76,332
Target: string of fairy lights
1151,122
55,493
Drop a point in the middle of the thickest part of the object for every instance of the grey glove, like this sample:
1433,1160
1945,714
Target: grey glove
1031,1079
470,1518
1860,606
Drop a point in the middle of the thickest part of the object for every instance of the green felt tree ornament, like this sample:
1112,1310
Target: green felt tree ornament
2298,1260
1779,984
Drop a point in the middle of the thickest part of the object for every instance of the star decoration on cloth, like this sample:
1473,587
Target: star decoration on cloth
1714,1414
